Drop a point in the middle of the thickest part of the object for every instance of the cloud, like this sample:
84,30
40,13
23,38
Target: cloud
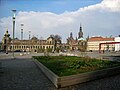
112,5
105,5
100,19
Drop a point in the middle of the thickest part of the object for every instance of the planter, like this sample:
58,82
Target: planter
76,79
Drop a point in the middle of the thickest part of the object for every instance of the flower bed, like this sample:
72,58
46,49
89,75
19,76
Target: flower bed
66,70
70,65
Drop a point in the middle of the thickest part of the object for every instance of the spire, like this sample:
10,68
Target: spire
80,24
6,30
80,34
80,27
71,35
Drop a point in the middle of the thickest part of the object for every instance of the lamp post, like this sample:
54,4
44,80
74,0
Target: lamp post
14,11
22,31
29,40
21,38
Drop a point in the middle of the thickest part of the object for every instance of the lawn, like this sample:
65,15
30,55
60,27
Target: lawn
70,65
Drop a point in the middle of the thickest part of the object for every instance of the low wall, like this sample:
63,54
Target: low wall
84,77
76,79
53,77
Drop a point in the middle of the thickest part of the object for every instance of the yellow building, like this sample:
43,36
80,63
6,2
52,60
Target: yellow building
93,43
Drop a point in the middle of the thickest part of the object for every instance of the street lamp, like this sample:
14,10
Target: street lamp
29,40
14,12
29,35
21,38
22,31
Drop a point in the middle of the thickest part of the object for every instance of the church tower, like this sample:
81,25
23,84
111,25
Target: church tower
80,33
70,39
71,35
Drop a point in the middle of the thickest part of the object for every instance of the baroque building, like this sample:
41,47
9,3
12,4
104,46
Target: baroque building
76,44
32,45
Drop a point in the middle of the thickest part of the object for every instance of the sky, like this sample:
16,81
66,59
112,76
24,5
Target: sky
46,17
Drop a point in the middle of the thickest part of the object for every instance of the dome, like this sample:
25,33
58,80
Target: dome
34,38
81,39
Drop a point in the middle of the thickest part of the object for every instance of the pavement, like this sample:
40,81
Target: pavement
21,73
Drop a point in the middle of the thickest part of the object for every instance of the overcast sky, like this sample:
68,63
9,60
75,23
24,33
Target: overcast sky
45,17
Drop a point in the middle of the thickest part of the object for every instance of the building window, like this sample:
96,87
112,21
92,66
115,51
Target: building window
43,47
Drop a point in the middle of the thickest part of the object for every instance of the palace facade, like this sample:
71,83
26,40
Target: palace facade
32,45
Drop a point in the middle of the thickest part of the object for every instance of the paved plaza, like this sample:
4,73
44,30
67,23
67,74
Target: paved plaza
22,74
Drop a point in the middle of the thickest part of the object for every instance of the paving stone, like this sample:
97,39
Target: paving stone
23,74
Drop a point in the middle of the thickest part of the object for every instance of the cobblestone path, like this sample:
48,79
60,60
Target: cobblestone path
23,74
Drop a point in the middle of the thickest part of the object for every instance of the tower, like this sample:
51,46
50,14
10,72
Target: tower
6,41
70,39
71,35
80,33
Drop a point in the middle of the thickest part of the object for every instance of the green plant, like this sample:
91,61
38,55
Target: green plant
69,65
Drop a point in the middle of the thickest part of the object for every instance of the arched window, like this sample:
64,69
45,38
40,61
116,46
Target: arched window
43,47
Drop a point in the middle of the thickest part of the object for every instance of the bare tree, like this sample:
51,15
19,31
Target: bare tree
57,40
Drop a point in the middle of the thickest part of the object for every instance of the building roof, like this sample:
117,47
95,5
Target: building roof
100,39
26,42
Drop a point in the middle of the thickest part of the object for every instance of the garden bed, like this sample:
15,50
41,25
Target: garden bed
69,70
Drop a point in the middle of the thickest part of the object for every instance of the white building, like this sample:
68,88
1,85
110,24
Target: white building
117,46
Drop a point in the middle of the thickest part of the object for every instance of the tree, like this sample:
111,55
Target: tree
57,40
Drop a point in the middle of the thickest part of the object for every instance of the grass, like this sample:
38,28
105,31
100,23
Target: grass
70,65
